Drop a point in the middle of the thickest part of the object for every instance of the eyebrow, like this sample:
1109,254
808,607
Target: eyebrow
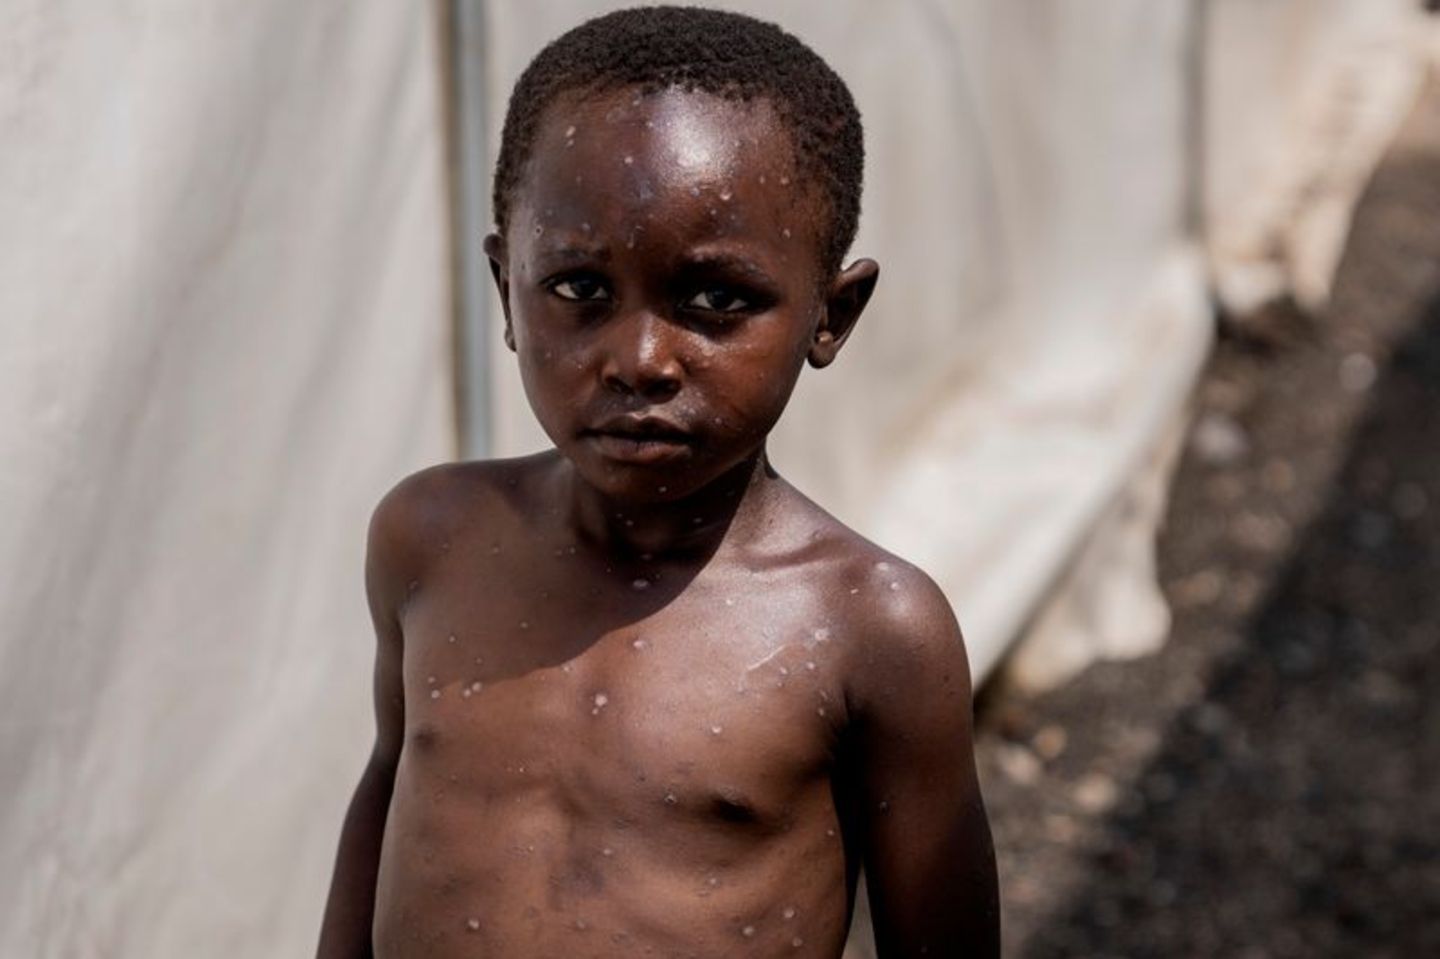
570,253
728,261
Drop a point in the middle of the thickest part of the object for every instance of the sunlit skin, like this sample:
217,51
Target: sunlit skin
637,696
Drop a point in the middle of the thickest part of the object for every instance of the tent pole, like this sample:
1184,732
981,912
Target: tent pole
469,123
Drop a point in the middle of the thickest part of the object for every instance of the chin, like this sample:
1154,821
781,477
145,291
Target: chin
646,485
630,482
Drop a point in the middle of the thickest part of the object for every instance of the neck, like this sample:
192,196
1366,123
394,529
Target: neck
692,526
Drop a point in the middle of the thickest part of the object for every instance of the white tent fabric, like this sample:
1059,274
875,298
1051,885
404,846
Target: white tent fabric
225,310
1296,102
225,296
1301,98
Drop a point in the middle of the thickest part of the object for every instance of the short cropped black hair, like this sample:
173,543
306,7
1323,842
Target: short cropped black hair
726,54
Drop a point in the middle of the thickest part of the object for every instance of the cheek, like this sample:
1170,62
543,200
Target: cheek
543,338
553,364
747,386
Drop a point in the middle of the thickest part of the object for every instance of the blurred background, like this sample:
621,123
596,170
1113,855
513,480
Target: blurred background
1158,328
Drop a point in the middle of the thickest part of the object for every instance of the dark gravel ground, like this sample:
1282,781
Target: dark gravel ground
1266,785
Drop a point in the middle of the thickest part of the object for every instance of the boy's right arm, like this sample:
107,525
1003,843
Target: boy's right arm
350,909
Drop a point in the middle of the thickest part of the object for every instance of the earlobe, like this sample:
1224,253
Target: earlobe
844,303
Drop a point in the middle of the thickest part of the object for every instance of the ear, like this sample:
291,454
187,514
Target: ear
499,268
844,302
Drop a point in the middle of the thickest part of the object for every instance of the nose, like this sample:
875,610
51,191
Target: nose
640,358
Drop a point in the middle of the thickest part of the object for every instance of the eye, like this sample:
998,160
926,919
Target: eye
718,300
581,289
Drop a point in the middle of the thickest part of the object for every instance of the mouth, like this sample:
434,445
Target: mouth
640,440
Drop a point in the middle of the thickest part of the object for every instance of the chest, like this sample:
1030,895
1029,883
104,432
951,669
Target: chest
714,701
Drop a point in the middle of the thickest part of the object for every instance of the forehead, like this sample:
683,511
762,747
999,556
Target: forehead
666,160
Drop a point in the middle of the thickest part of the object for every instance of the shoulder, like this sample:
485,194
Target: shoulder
441,499
892,611
902,643
427,512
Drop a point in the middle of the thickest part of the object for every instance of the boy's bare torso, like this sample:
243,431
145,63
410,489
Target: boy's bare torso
621,758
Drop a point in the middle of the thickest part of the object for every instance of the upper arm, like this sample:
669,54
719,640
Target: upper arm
391,564
916,813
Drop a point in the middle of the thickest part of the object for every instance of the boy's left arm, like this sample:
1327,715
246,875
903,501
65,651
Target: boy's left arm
916,816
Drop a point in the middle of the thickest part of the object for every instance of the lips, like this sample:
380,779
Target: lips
640,439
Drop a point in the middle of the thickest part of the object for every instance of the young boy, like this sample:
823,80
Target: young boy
637,696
